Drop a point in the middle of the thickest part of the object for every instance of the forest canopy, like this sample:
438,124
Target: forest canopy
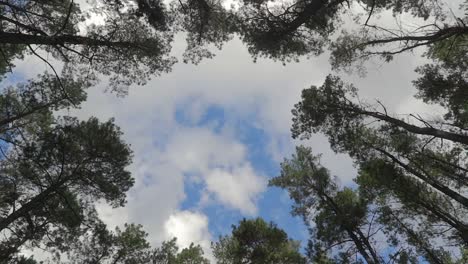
408,202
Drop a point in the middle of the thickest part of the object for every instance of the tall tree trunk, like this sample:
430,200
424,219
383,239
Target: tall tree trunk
420,243
355,234
436,185
449,219
429,131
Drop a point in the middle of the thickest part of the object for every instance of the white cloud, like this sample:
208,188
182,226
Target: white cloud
238,188
165,152
198,149
221,163
411,105
189,227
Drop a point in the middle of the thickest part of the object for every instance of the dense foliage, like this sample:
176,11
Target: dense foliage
255,241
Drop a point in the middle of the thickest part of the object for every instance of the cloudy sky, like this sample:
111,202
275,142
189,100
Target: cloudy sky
207,138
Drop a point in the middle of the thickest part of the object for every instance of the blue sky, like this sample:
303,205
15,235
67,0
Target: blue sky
273,204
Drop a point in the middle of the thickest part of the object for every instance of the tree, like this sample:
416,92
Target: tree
133,41
55,168
169,253
384,183
331,110
124,47
53,176
446,86
345,222
339,216
127,246
34,99
373,39
287,31
207,25
191,255
428,179
102,246
137,33
292,29
255,241
8,53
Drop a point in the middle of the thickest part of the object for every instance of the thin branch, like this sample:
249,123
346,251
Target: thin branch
67,18
370,13
56,75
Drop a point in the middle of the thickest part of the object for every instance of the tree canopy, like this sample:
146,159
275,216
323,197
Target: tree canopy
256,241
409,202
411,170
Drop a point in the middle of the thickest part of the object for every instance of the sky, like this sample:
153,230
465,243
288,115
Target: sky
207,138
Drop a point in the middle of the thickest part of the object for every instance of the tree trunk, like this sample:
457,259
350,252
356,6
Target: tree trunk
422,244
359,240
430,131
442,188
27,207
8,120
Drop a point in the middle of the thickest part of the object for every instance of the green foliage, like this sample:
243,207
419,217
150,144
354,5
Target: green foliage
124,47
207,24
129,246
336,217
451,52
446,87
412,171
191,255
417,8
255,241
398,161
28,106
7,55
55,174
286,32
169,253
